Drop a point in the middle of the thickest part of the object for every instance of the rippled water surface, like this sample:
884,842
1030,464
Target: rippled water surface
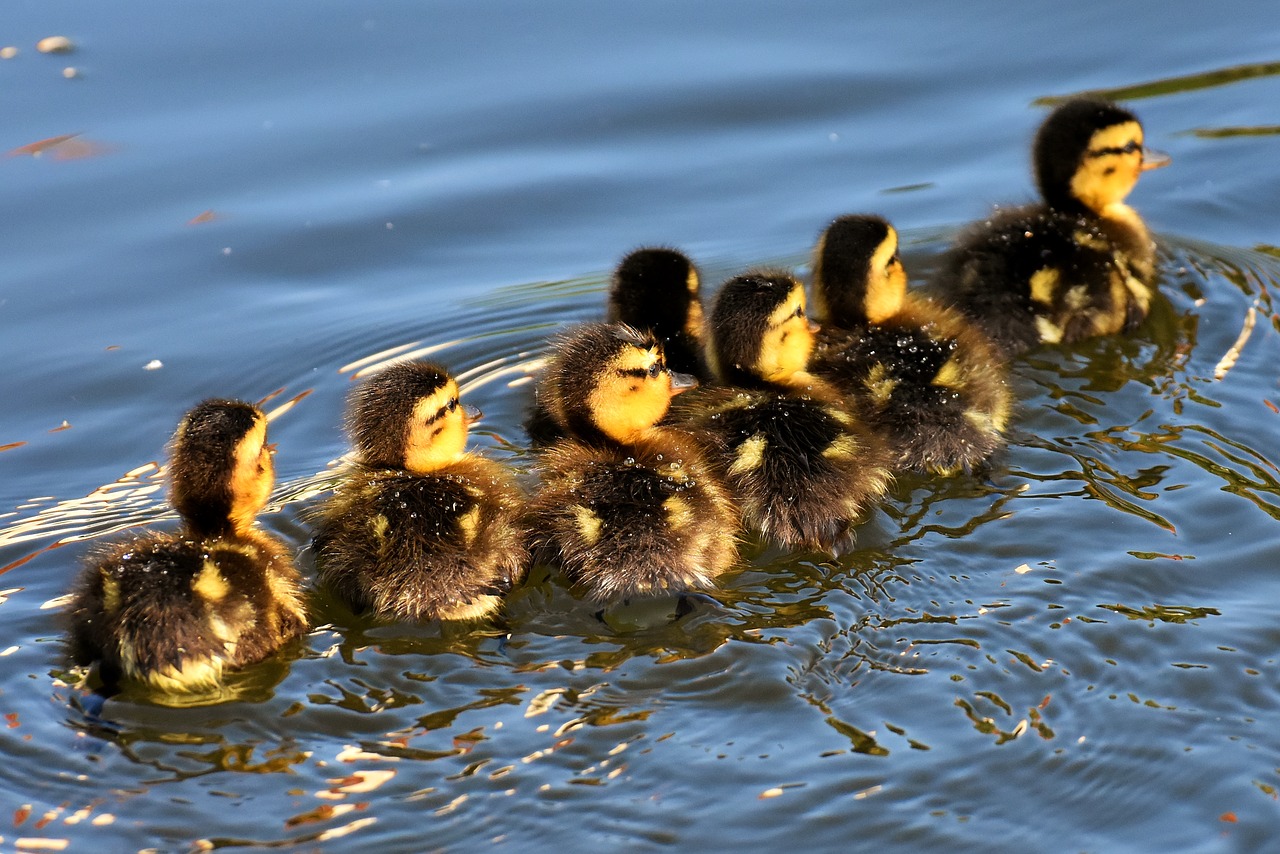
1076,653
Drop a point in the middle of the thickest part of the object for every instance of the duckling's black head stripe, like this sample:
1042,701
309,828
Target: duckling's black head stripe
443,410
1128,148
650,372
380,410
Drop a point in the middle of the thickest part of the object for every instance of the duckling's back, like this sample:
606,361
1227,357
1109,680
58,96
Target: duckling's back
1032,275
419,547
928,381
175,612
803,468
640,520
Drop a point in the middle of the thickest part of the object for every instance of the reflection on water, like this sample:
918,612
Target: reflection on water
1006,606
1185,83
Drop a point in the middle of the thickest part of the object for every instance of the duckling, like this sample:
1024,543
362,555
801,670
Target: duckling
1079,264
630,507
421,529
803,467
176,611
654,289
921,375
658,288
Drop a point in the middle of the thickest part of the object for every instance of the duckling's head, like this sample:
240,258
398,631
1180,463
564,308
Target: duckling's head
611,380
220,467
408,416
1089,152
858,277
760,334
656,288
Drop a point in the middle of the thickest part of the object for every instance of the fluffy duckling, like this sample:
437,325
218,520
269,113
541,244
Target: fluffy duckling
631,508
654,289
1079,264
802,466
175,612
658,289
920,374
421,529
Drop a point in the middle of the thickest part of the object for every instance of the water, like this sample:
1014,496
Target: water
1079,653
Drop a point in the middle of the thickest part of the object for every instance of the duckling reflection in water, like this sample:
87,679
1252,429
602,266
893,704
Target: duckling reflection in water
630,508
176,611
803,467
1081,263
421,529
921,375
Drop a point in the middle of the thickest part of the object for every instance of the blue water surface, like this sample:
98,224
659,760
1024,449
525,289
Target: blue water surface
1076,653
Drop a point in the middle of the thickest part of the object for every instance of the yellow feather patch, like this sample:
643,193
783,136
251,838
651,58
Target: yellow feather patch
478,608
843,448
469,523
1077,298
679,513
209,583
1141,293
1050,332
223,632
588,524
110,593
193,674
981,421
879,384
1044,283
379,524
1089,240
750,455
950,375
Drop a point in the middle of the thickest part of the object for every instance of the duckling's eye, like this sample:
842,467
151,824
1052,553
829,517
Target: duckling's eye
799,312
655,369
1131,147
452,404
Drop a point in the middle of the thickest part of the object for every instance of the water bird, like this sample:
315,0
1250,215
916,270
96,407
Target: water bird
175,611
628,506
1081,262
920,373
804,468
421,529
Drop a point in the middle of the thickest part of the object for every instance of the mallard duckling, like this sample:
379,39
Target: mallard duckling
654,289
920,374
658,289
631,508
1079,264
421,529
803,467
175,612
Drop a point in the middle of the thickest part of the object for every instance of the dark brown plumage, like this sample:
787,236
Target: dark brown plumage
1081,263
803,467
659,289
420,529
627,507
174,612
919,373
